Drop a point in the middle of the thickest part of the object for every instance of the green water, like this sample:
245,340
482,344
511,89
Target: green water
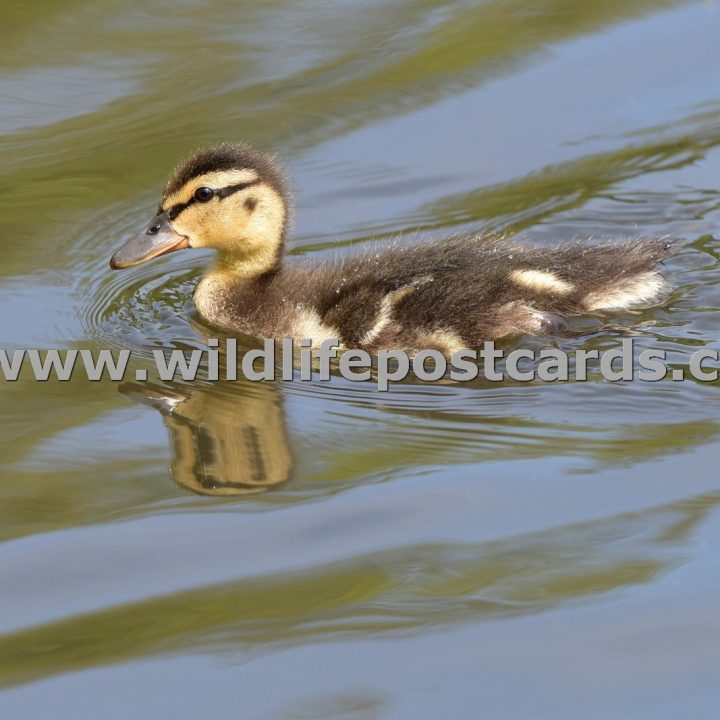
452,550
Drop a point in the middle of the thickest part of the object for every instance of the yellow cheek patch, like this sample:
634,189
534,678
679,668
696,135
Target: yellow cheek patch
215,180
542,281
188,223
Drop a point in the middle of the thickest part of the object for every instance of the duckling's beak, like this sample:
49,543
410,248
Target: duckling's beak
159,238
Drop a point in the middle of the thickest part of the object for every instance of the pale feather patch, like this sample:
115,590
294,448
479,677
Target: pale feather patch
209,299
642,289
542,280
382,321
445,340
384,315
534,323
216,180
387,304
307,325
517,317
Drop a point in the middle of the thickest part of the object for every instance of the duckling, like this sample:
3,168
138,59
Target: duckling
444,294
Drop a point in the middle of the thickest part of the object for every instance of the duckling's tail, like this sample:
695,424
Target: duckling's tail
626,276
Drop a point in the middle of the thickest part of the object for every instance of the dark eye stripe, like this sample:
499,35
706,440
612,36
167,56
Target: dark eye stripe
231,189
222,193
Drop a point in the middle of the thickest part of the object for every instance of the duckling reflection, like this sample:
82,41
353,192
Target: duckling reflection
228,439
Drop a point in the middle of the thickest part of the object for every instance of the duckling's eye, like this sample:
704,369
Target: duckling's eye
203,194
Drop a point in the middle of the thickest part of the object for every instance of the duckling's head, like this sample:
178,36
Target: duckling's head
228,197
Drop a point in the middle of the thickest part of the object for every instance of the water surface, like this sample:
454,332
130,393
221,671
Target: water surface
459,550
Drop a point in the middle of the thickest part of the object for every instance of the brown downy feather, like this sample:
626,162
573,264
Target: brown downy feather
450,293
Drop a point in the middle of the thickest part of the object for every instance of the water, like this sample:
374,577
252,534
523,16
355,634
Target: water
460,550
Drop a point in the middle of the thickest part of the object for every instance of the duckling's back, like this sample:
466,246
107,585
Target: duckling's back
462,291
446,294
